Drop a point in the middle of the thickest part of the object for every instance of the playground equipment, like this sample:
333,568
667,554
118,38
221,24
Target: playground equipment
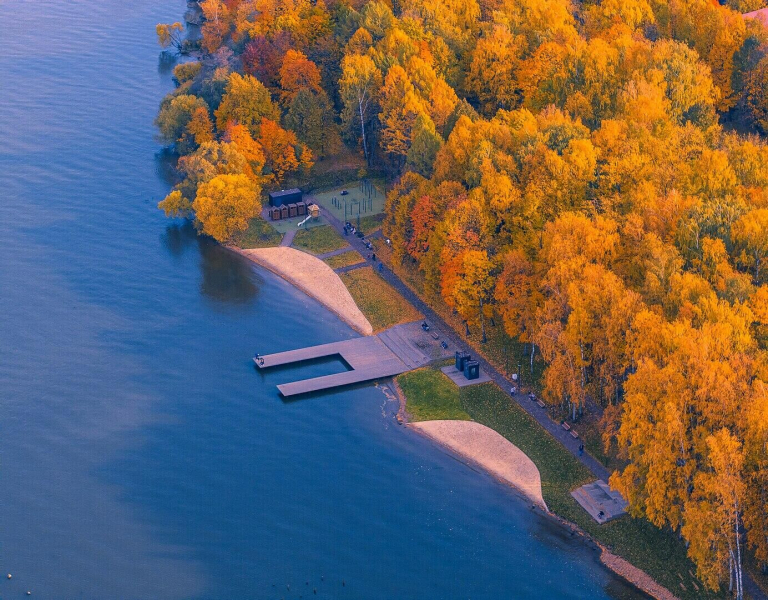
313,212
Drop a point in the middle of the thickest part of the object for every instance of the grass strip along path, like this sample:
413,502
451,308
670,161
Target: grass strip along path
318,240
345,259
381,304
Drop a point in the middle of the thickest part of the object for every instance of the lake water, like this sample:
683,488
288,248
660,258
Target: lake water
141,456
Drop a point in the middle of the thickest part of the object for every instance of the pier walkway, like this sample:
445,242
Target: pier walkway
394,351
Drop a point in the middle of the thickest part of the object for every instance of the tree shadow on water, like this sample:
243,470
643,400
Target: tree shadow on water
178,238
165,166
166,62
226,277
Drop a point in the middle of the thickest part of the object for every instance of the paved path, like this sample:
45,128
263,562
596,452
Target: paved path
349,268
334,253
288,238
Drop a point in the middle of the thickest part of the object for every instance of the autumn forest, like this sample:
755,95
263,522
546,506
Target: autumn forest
590,176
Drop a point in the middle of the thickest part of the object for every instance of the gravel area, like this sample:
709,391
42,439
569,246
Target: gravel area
489,450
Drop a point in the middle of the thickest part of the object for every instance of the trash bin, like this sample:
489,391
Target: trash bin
461,359
472,369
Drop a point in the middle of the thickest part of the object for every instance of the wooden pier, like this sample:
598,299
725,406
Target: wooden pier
390,353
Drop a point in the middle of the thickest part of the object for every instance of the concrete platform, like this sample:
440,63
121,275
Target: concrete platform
414,346
394,351
597,498
458,377
368,358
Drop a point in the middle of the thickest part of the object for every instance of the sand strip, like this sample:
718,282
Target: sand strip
313,277
491,451
636,576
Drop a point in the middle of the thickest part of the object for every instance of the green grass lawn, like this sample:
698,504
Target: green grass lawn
658,552
259,234
318,240
344,260
431,396
371,223
380,303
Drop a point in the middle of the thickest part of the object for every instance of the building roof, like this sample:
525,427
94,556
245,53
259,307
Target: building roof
281,193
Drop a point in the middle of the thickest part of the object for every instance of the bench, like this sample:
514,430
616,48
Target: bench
540,403
566,426
574,435
434,335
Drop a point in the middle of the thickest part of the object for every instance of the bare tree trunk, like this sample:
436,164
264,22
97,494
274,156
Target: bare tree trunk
362,128
730,571
482,322
739,581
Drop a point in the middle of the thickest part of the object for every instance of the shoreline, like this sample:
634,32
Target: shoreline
617,565
519,473
324,286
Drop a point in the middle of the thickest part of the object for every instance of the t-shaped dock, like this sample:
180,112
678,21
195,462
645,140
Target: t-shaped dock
392,352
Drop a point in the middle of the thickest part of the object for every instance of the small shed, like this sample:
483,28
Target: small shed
301,207
284,211
274,213
292,211
285,197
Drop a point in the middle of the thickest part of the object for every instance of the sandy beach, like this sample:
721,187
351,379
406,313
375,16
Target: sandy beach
313,277
489,450
636,576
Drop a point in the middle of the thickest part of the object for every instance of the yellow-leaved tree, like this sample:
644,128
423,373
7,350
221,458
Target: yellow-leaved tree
225,204
750,234
246,101
713,516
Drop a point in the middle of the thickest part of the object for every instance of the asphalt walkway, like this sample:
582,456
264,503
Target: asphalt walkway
288,238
